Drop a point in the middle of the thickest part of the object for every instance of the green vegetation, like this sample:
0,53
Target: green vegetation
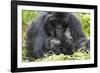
30,16
61,57
85,20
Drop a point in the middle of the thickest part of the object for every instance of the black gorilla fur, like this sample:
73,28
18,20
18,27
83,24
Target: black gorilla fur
54,31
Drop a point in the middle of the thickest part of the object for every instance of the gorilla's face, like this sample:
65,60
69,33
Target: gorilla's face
59,23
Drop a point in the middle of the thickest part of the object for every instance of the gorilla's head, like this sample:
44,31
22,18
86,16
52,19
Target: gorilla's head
57,22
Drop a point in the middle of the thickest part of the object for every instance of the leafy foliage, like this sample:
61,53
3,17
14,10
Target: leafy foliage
28,16
85,20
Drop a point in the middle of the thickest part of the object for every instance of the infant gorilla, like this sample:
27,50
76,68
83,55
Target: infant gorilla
57,46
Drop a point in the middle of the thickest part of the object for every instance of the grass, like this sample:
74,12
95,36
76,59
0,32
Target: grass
62,57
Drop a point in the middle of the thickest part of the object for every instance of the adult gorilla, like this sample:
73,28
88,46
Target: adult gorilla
54,31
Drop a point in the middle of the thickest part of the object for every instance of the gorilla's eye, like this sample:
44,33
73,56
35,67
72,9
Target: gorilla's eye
53,23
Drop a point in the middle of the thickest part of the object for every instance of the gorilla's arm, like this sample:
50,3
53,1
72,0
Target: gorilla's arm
75,28
39,46
35,38
76,31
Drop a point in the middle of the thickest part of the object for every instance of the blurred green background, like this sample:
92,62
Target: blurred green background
29,16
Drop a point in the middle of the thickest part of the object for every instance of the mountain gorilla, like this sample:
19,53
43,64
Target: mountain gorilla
58,32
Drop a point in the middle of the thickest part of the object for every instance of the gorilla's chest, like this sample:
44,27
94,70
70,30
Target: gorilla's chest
68,34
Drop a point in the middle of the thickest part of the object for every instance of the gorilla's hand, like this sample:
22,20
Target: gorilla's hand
52,43
84,45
